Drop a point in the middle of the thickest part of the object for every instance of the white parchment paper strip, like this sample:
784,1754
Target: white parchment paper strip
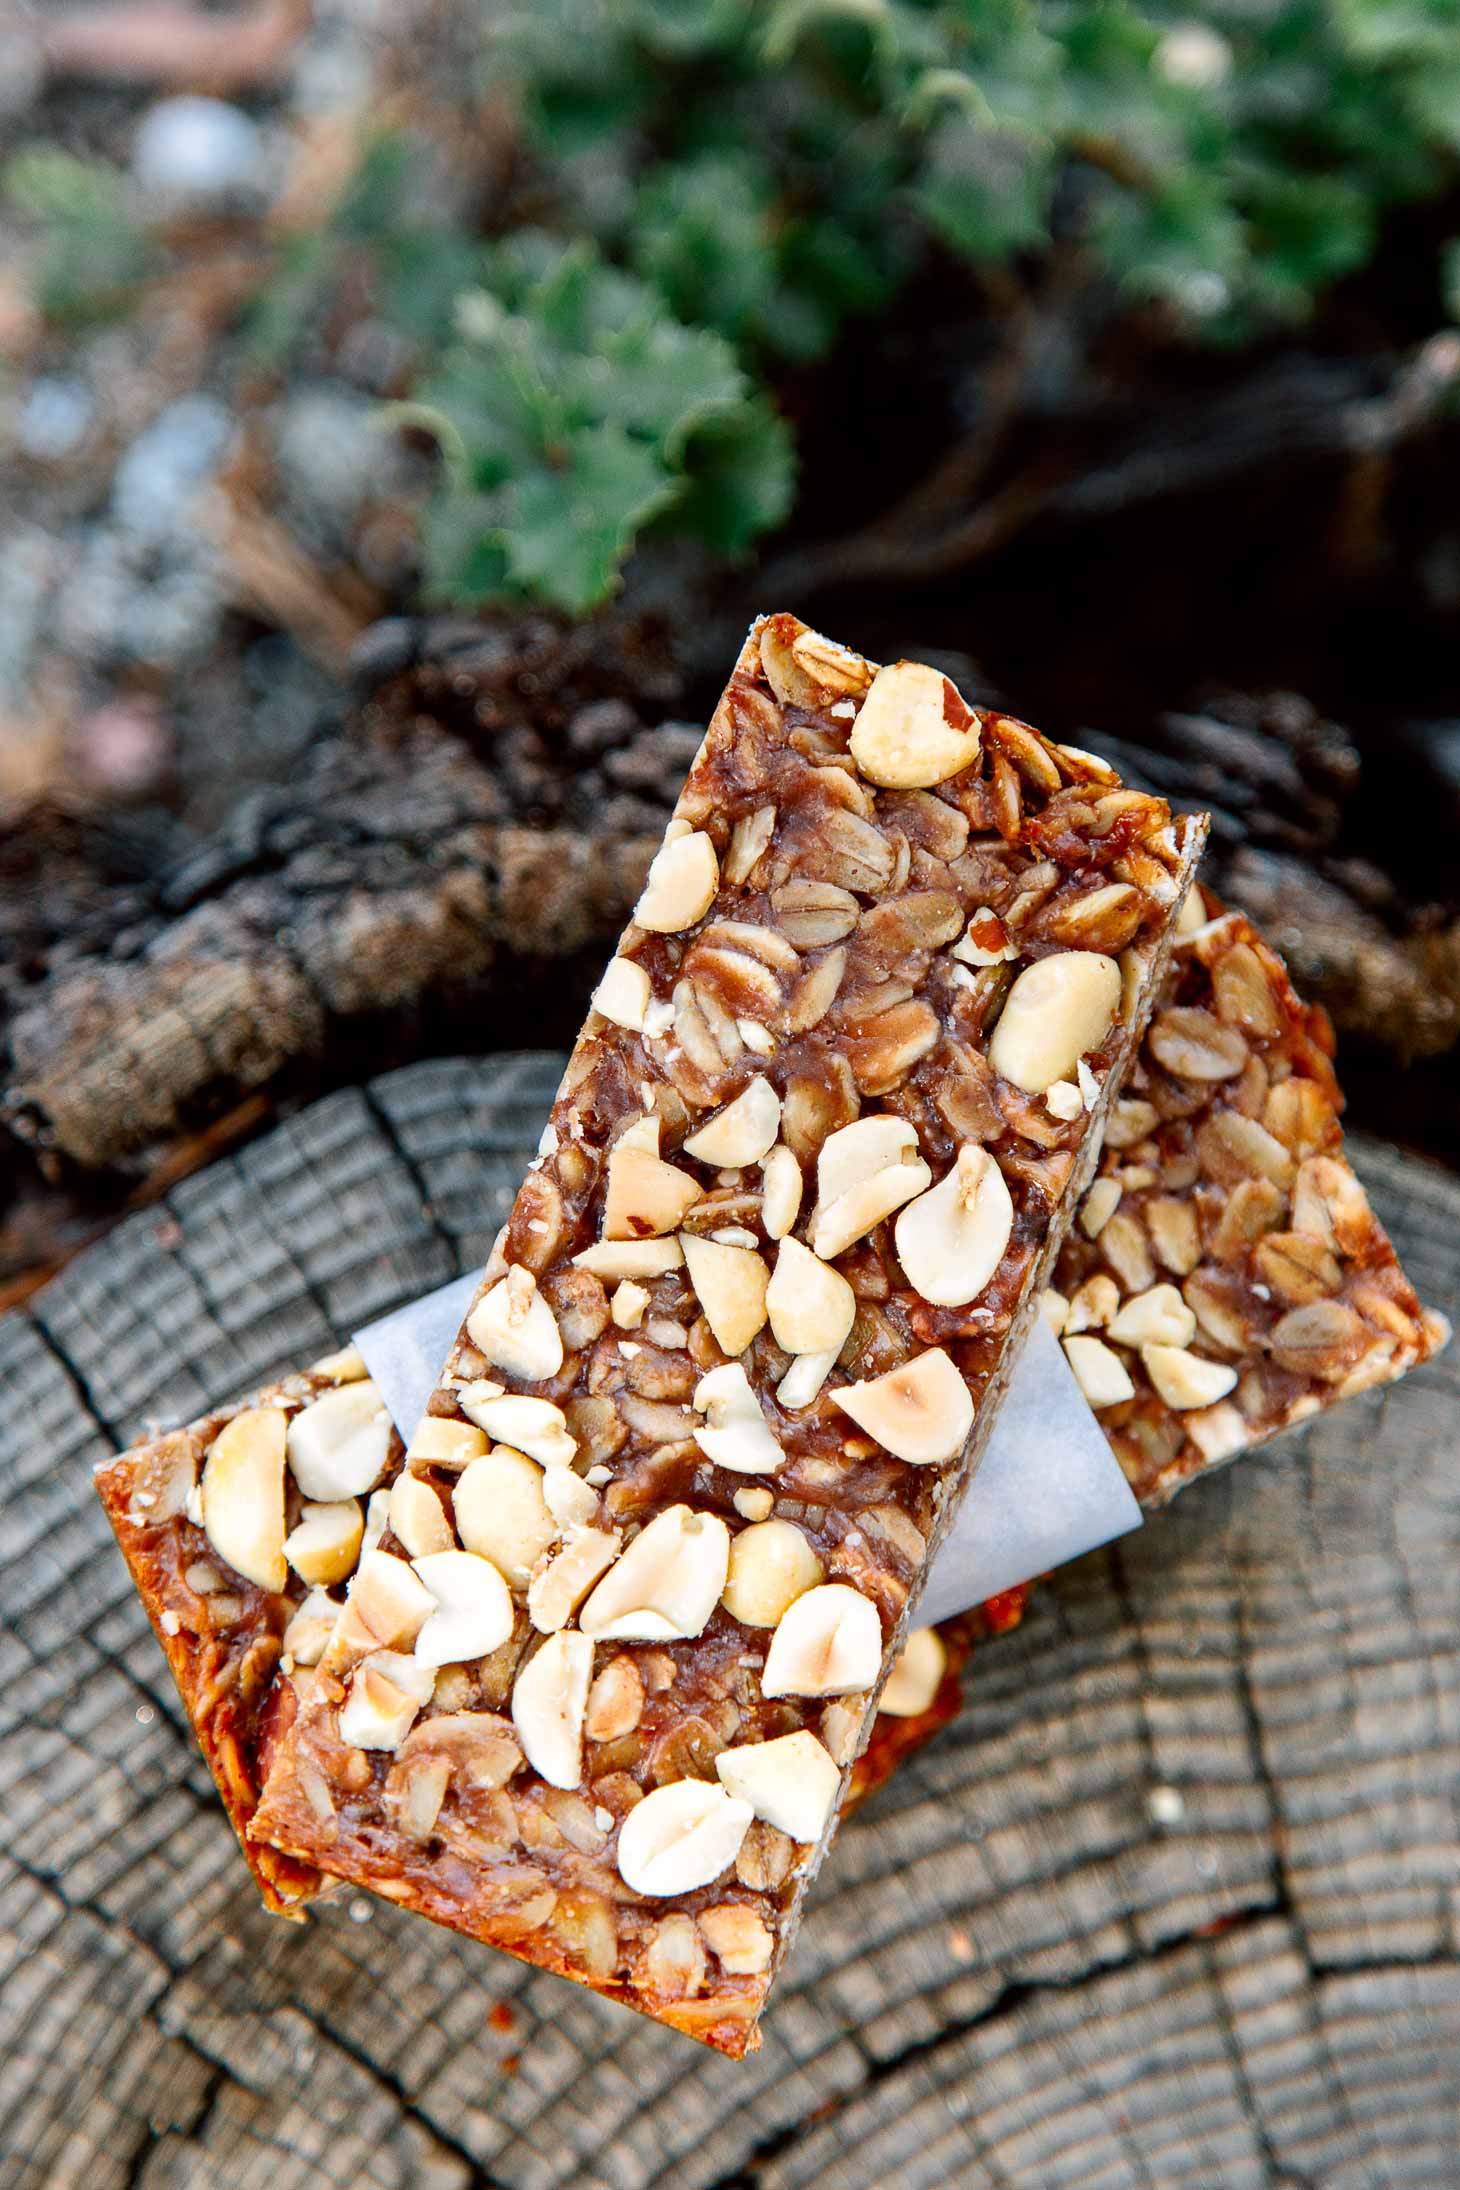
1049,1487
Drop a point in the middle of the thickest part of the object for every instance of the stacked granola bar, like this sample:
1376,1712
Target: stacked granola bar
618,1616
236,1529
1226,1277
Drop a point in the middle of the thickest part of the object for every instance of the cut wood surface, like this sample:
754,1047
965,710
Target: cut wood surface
1173,1904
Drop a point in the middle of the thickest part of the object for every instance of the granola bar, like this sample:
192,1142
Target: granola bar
593,1697
222,1634
235,1529
1226,1277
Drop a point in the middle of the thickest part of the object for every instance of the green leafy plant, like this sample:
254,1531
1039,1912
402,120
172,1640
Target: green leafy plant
573,412
772,173
775,169
722,191
89,251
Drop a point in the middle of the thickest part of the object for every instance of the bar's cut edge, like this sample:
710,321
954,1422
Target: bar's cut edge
285,1882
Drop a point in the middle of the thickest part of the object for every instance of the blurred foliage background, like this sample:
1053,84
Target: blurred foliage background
697,198
1105,347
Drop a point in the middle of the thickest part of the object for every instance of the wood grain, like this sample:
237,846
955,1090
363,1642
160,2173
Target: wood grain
1014,1975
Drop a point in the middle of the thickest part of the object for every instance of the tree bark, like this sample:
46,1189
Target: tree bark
394,882
384,883
1172,1902
493,793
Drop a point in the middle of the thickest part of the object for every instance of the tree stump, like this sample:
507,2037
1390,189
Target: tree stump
1173,1904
